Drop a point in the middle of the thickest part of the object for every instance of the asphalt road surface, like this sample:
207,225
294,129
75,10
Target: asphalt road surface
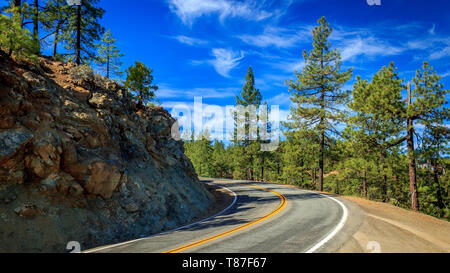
264,218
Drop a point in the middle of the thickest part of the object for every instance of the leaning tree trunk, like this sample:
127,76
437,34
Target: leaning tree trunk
412,158
55,42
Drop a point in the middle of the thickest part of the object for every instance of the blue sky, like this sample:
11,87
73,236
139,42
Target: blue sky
204,47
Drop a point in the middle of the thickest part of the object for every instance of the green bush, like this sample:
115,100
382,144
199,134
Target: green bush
16,41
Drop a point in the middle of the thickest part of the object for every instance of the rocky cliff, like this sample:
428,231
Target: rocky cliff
78,162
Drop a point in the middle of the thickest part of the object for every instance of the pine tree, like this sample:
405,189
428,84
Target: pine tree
432,154
16,6
31,15
318,89
246,121
220,160
108,57
250,98
55,18
82,31
139,82
249,94
15,40
377,122
427,108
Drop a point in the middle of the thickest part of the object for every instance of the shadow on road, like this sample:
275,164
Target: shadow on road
240,212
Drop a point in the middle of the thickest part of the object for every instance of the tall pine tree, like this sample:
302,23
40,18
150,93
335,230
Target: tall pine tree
83,25
246,120
55,19
318,90
426,106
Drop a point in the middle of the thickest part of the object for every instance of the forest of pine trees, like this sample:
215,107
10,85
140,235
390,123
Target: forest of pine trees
369,142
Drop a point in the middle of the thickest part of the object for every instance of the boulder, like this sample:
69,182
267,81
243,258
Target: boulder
12,142
26,211
103,179
100,100
46,154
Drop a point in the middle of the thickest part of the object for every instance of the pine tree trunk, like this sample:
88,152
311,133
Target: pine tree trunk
412,169
262,168
301,174
412,159
440,201
384,195
337,186
321,151
365,184
313,174
251,168
36,25
55,43
78,46
107,67
322,131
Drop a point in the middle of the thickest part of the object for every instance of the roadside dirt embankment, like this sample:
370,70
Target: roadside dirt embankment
388,229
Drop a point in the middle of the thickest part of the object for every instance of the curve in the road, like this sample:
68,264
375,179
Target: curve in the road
222,234
307,223
335,230
172,230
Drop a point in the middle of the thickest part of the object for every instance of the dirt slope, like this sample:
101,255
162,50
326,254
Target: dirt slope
397,230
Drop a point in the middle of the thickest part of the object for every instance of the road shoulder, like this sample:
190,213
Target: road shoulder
390,229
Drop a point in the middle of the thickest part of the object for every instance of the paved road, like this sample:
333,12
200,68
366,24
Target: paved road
265,218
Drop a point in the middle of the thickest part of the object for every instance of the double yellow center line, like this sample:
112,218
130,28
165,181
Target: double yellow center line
265,217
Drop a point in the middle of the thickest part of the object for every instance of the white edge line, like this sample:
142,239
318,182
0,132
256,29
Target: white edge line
333,233
337,228
169,231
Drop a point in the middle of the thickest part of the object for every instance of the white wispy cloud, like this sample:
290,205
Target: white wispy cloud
282,99
291,65
190,40
432,30
446,74
278,37
369,47
442,53
167,92
225,60
189,10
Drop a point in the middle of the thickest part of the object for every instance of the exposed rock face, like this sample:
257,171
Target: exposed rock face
79,163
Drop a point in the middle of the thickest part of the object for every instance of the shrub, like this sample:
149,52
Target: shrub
82,75
16,41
